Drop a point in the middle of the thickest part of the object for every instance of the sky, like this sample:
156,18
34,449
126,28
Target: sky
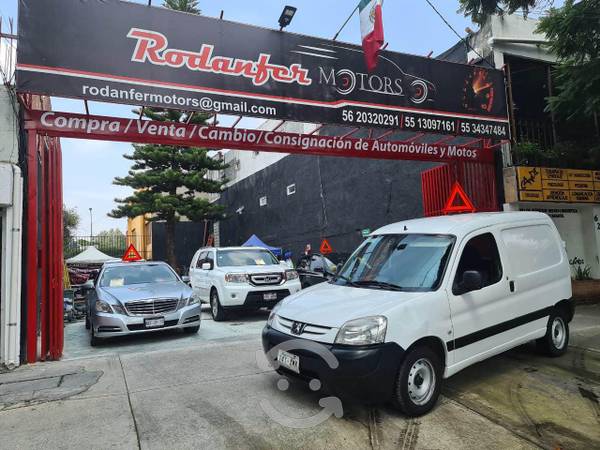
89,167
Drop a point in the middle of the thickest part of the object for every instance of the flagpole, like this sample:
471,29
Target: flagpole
346,22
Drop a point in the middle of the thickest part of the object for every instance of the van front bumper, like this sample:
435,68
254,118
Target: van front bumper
365,373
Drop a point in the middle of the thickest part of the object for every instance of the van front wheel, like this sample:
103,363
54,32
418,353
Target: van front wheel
556,340
418,382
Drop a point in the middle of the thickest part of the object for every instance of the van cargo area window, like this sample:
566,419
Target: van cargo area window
480,254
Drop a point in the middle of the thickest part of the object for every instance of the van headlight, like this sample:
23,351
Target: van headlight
364,331
273,314
236,278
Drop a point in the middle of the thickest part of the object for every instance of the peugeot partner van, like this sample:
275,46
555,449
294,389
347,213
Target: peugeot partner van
421,300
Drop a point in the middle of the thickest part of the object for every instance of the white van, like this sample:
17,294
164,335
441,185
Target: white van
420,300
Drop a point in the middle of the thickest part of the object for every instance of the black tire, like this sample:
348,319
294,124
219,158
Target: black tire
94,341
191,330
87,322
216,309
556,341
421,366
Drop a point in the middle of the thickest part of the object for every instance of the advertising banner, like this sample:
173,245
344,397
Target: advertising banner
134,54
171,133
558,185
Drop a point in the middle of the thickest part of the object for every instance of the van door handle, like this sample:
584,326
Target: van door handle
511,284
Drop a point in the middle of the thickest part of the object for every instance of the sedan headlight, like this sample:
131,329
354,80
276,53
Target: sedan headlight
119,309
103,307
364,331
236,278
291,275
192,300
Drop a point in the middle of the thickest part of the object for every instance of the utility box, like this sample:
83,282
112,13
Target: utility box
6,185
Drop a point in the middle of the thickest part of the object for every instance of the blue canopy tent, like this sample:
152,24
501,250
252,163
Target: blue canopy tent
254,241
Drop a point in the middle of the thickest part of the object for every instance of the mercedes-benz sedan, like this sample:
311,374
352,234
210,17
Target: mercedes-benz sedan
138,297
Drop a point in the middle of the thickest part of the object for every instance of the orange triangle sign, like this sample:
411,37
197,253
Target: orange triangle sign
131,254
325,248
459,201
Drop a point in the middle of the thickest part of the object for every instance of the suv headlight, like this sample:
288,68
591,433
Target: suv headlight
364,331
236,278
291,275
103,307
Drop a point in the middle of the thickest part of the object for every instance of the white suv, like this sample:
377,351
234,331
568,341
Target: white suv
240,278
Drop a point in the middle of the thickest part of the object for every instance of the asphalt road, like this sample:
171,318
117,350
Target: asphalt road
210,391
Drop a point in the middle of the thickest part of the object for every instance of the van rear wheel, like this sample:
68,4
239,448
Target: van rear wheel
418,382
556,340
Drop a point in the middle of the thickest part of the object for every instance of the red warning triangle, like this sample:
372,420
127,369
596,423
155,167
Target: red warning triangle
131,254
459,201
325,248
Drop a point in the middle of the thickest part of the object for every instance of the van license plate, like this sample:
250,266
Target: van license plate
155,323
270,296
289,361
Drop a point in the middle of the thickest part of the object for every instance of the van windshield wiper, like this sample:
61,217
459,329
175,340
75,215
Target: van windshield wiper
346,279
378,284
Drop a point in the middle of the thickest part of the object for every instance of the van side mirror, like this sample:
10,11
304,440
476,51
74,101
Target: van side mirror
206,266
471,281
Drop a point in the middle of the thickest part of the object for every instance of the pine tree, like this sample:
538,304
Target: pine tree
168,179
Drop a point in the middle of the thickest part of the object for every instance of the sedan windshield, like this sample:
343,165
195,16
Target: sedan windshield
236,258
411,262
136,274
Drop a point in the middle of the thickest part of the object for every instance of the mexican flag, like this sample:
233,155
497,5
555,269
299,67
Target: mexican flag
371,30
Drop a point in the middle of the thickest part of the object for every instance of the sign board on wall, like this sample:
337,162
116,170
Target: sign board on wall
558,185
125,52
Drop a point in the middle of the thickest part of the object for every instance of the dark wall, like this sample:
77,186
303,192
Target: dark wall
189,237
335,198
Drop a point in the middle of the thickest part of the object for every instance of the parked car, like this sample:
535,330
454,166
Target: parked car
421,300
240,278
138,297
314,269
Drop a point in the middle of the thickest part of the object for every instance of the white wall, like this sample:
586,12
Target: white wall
9,144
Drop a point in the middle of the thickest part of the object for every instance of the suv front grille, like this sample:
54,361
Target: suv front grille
151,307
266,279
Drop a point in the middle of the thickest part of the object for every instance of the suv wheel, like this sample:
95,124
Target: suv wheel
556,340
418,382
216,309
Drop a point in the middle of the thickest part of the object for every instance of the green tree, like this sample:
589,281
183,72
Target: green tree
480,10
167,179
71,221
573,34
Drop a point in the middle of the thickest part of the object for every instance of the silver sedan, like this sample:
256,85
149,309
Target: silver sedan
138,297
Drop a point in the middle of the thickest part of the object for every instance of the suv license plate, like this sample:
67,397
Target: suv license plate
289,361
270,296
155,323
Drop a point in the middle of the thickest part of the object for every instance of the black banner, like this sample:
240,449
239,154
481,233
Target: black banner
114,51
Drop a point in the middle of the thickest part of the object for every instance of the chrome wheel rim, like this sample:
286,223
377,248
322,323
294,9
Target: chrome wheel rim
215,307
421,382
559,332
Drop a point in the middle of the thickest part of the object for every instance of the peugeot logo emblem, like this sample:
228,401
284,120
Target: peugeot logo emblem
298,328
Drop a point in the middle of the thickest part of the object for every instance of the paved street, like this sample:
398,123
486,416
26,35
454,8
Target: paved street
208,391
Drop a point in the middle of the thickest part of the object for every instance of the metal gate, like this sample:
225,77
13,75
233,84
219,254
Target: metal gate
477,179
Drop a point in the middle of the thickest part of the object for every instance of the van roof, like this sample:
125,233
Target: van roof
459,224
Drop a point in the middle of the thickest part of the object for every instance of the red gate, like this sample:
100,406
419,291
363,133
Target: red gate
477,179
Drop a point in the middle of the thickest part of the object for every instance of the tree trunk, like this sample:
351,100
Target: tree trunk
170,243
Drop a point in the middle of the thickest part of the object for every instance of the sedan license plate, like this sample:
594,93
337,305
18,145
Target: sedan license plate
270,296
155,323
289,361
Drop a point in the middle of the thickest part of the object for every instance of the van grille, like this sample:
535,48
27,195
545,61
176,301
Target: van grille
151,307
266,279
307,329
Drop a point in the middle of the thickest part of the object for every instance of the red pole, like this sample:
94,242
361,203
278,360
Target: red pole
45,255
58,234
31,246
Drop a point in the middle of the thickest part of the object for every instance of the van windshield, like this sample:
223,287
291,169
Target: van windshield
406,262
